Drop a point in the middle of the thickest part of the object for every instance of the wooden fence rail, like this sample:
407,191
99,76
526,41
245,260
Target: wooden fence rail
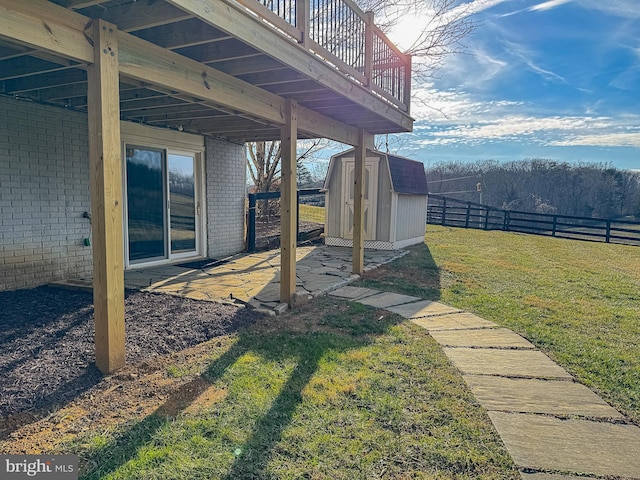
450,212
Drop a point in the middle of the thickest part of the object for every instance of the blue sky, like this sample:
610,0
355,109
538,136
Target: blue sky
556,79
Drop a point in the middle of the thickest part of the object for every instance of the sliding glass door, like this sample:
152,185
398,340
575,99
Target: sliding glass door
146,212
182,203
163,206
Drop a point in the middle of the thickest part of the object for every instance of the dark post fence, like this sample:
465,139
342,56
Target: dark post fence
251,214
450,212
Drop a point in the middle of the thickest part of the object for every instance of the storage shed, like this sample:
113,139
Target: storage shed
395,201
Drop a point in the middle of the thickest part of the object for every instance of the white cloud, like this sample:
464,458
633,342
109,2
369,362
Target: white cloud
472,122
619,8
429,104
410,28
476,6
539,130
527,57
548,5
623,139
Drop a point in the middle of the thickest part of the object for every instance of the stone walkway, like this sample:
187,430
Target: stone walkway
553,427
254,278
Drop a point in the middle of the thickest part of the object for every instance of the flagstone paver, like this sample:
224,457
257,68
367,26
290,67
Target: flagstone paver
455,321
545,419
386,300
509,363
577,446
494,337
424,308
539,396
353,293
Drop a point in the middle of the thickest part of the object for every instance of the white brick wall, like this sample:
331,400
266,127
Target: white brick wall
226,178
44,190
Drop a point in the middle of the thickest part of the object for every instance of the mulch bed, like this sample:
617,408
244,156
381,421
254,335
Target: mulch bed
47,340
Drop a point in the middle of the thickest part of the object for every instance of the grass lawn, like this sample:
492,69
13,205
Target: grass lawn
577,301
332,391
311,213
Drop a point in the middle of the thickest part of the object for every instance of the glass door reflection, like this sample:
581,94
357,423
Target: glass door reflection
182,203
146,219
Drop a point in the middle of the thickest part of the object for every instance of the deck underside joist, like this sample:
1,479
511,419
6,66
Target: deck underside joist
45,51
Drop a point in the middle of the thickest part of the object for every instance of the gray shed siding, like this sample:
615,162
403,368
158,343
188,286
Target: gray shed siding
384,210
412,207
400,216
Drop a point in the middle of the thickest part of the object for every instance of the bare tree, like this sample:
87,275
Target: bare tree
442,33
263,162
543,186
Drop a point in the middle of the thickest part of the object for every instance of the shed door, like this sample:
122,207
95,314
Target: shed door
370,197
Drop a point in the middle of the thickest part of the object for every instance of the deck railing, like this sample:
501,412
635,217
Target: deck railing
346,37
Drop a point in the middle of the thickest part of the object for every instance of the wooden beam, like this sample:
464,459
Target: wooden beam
256,63
358,203
222,50
272,77
317,125
146,62
106,199
173,111
368,47
142,15
186,33
45,80
27,66
78,4
47,26
288,203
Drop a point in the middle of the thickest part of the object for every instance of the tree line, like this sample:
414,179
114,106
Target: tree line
542,186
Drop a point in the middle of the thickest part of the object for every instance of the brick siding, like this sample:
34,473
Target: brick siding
226,178
44,191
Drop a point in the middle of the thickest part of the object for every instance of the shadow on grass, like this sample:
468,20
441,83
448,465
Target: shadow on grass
352,327
348,327
267,431
414,274
47,343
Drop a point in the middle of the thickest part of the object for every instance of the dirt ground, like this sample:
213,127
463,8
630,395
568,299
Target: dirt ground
47,353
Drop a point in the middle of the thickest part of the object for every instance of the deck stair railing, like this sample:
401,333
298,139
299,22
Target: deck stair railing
347,38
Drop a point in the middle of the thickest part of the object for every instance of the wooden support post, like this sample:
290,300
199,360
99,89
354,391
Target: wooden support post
303,21
288,203
105,164
407,84
368,48
358,205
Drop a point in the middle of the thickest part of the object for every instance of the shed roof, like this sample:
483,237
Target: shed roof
407,176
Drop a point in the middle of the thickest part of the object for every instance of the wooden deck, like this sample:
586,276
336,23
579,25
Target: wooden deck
221,67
